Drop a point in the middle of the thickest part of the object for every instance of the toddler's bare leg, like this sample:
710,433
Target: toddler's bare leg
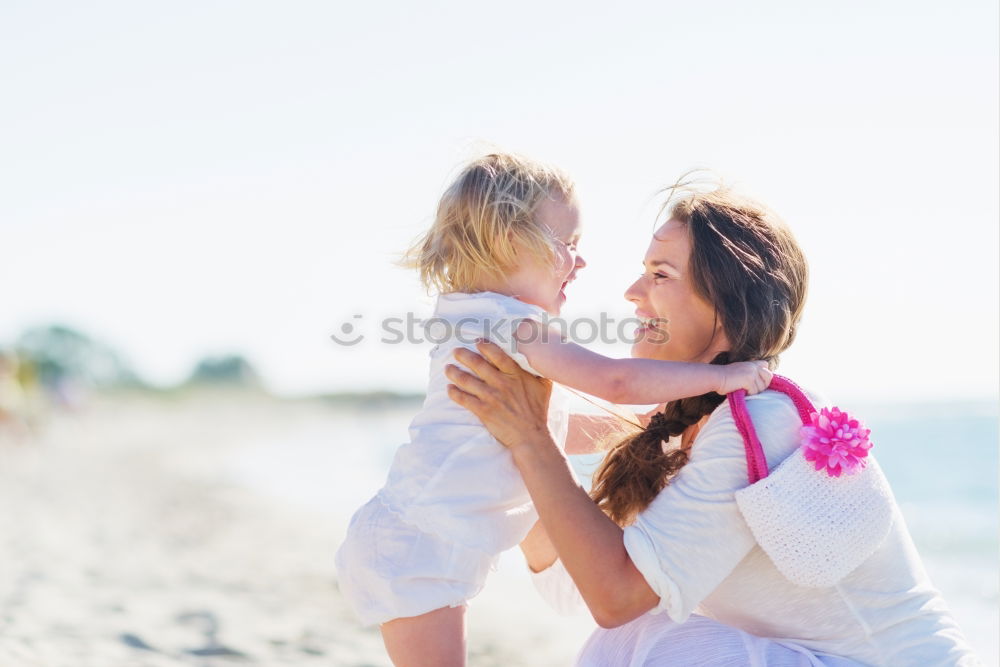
436,638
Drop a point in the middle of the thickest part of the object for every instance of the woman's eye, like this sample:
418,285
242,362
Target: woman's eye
658,275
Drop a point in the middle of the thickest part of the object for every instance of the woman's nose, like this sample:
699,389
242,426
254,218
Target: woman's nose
635,291
580,262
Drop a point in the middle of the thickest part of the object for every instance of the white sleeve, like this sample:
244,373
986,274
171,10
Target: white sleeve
692,535
558,589
503,337
514,351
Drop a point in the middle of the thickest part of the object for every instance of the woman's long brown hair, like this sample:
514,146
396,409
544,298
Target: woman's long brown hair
747,265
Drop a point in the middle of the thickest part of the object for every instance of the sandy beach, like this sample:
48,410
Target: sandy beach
126,542
200,528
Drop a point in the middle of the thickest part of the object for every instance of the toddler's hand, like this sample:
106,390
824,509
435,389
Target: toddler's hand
754,376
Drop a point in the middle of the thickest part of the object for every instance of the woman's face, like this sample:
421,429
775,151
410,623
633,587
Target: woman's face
665,291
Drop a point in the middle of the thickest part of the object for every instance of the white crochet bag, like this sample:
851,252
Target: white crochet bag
827,507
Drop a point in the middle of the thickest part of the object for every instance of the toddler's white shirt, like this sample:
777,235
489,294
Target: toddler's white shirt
453,479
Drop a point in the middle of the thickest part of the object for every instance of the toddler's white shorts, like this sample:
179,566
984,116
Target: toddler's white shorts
388,568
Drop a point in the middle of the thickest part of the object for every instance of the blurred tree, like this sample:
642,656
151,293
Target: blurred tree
232,369
60,354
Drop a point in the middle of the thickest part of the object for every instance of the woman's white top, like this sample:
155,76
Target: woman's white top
695,550
453,479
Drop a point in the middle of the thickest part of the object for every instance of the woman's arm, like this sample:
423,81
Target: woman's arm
585,432
632,381
549,575
588,542
590,545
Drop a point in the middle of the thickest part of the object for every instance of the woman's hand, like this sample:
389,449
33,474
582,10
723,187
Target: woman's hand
512,403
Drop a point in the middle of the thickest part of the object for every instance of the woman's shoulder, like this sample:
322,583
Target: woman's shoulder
765,407
775,420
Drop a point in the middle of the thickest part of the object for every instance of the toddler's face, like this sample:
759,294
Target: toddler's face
544,284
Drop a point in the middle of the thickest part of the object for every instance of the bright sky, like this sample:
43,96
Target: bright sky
189,178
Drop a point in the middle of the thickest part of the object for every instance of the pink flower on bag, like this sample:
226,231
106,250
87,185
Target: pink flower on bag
835,441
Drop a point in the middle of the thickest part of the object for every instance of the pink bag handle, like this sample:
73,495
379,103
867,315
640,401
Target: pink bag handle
756,463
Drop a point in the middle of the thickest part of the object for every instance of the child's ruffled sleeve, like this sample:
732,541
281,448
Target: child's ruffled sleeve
512,348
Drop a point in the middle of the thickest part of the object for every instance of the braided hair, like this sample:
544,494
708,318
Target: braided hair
745,263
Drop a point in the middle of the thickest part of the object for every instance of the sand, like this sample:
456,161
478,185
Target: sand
131,535
125,541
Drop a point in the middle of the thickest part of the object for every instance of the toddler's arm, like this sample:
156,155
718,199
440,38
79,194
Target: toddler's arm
632,381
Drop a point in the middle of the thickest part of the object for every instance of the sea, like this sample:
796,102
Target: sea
940,458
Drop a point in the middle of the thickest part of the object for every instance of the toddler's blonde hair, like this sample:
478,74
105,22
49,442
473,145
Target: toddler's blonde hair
484,219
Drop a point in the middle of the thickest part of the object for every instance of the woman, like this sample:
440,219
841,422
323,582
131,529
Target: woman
662,534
